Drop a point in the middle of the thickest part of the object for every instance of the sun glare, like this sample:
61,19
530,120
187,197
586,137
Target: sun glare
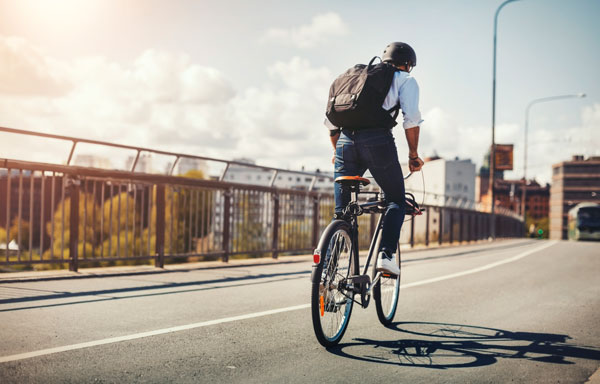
58,16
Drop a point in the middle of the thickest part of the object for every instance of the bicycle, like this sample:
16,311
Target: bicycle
335,273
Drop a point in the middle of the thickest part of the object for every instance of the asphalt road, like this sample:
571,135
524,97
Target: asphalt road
519,311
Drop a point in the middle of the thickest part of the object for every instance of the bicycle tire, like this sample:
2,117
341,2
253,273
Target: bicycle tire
386,293
331,307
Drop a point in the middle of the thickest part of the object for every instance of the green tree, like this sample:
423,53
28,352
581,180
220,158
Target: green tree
188,216
118,226
542,224
114,228
296,234
185,209
3,238
14,233
249,230
87,207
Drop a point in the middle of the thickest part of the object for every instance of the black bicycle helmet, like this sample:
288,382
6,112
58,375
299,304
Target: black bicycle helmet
399,53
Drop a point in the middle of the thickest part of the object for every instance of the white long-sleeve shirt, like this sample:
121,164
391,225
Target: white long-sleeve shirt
404,89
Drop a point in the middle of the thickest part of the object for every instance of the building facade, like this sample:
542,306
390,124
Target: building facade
446,182
508,194
573,182
251,175
187,164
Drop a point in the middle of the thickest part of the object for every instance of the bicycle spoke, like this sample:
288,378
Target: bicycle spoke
337,270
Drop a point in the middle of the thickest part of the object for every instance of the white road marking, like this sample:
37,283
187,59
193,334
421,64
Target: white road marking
134,336
479,269
48,351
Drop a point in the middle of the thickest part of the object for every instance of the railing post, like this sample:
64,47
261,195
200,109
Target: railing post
461,224
451,213
315,232
73,184
440,226
482,226
467,235
226,224
471,227
481,231
498,226
275,244
159,261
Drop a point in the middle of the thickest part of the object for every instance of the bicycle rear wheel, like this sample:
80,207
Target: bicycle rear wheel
386,293
331,300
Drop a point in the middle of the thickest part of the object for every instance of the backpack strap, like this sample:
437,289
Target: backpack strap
371,62
396,110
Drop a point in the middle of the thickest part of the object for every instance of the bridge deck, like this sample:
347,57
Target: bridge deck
513,310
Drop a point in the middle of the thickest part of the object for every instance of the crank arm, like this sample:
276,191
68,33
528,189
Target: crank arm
375,280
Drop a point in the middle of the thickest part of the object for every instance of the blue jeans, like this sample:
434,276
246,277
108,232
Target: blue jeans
375,150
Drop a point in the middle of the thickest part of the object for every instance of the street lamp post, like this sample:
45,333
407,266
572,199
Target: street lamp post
533,102
493,149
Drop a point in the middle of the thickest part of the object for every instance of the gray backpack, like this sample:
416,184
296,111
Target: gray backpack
356,97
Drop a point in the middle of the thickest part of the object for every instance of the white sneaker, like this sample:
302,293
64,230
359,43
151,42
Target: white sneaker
387,265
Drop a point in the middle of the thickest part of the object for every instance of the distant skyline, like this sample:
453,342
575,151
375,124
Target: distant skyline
232,79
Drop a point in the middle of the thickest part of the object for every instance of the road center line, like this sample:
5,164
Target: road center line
48,351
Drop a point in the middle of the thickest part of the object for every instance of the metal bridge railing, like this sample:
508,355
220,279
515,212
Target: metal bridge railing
54,214
63,214
177,156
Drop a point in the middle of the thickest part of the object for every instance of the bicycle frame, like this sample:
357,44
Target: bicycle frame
369,207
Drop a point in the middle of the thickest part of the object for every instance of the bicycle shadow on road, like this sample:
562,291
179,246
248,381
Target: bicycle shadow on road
444,346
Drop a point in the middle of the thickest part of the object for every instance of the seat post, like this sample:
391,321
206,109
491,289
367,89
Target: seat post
354,192
353,183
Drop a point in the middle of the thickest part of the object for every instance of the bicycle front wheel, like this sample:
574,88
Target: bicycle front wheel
386,293
331,297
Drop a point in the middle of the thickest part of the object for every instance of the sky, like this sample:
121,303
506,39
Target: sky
231,79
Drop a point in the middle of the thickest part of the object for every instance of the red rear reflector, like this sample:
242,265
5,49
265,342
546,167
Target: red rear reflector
316,258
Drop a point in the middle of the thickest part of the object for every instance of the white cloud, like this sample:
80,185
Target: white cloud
282,120
163,100
26,70
322,29
547,146
442,133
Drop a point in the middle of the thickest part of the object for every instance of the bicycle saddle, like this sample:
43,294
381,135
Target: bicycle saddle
352,180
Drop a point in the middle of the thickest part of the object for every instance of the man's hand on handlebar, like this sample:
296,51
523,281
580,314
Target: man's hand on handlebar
415,164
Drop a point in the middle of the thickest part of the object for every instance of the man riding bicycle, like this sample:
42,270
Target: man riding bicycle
372,147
